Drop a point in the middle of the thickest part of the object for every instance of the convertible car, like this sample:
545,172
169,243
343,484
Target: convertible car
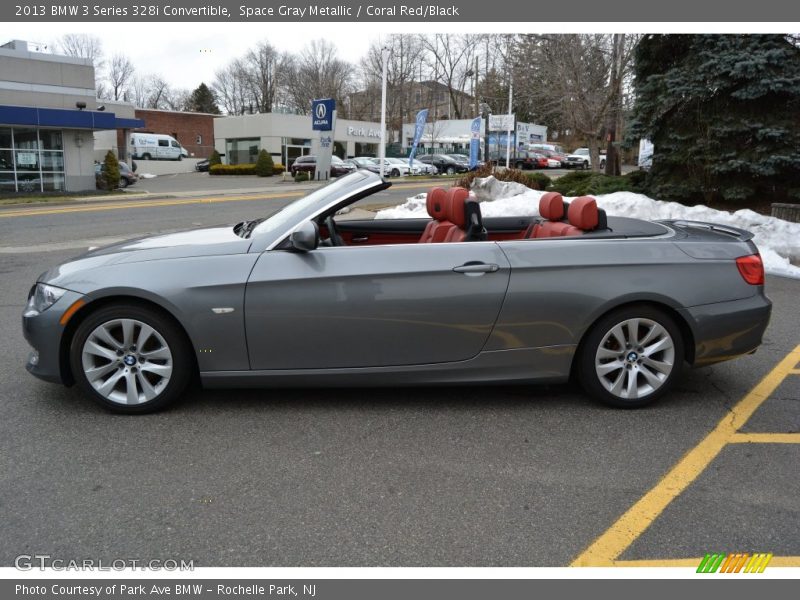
303,298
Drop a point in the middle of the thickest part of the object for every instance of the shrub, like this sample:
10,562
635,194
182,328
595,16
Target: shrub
245,169
111,171
301,176
582,183
535,181
278,168
214,159
264,164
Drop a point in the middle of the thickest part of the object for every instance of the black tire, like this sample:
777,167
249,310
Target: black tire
182,357
146,156
180,156
602,164
123,183
395,173
640,371
451,170
519,166
585,165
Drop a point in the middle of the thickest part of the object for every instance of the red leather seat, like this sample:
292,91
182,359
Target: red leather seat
456,213
551,208
438,228
582,215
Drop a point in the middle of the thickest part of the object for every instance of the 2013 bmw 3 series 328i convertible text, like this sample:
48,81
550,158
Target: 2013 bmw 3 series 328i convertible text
301,299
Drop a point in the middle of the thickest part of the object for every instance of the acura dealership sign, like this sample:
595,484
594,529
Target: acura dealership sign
322,114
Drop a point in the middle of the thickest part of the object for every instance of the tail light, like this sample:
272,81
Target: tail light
751,269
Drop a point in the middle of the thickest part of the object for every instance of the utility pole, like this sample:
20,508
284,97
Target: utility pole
382,150
510,122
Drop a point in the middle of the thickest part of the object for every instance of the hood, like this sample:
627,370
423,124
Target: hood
209,241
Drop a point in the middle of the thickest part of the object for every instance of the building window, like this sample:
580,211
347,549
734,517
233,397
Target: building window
242,151
31,160
198,140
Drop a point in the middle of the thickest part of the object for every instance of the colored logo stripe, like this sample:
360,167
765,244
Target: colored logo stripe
734,563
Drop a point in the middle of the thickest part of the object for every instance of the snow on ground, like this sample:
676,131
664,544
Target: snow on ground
777,240
146,176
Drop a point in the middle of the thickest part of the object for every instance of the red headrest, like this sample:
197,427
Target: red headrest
456,197
551,206
437,198
583,213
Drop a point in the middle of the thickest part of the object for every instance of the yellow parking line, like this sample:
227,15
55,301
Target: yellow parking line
606,548
32,212
765,438
776,561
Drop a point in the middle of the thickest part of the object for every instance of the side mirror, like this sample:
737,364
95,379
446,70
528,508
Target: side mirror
305,238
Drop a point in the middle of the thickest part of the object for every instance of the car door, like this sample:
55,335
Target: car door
373,306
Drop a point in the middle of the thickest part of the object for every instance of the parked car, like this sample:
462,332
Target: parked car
363,162
534,160
464,160
202,165
308,164
276,302
581,159
423,168
126,176
155,146
444,163
393,167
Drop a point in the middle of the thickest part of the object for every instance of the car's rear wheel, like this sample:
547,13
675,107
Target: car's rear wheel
123,183
395,173
585,165
131,359
146,156
451,170
631,357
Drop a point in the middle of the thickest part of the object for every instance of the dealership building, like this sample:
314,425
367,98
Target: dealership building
48,117
286,136
454,135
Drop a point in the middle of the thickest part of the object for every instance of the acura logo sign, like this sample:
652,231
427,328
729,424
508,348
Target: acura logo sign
321,111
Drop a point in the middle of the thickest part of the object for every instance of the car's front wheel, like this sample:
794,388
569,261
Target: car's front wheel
631,357
451,170
123,183
131,359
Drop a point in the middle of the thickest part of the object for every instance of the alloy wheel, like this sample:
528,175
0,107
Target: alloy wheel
635,358
127,361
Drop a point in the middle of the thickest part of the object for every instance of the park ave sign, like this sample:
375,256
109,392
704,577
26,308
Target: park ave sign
364,132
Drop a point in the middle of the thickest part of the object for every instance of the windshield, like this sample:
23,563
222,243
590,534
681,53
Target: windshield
288,214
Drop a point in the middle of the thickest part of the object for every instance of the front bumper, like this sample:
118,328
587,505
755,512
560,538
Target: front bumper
44,333
725,330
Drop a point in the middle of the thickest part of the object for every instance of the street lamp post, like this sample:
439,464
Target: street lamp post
510,123
382,152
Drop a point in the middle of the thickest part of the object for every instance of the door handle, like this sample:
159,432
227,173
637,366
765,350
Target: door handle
476,268
361,238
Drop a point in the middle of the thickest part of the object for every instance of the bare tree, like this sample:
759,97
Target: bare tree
120,72
452,56
231,87
82,45
261,69
158,92
317,72
575,81
139,91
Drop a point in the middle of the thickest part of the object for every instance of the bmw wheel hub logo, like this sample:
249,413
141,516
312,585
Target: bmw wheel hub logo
129,360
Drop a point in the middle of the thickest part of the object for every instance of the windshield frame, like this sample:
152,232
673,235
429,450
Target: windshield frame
339,193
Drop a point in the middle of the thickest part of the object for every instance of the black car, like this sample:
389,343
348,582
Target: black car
308,164
202,165
445,163
126,176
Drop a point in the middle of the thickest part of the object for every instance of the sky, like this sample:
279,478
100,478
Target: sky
188,54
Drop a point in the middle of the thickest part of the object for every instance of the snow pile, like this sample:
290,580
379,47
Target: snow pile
777,240
146,176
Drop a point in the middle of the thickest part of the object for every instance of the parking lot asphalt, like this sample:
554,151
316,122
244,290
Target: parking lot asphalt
450,476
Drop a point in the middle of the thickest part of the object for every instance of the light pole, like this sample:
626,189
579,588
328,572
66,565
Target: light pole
382,153
510,122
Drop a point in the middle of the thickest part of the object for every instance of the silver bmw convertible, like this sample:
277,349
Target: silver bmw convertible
303,298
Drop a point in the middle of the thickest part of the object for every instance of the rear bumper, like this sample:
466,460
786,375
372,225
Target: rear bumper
725,330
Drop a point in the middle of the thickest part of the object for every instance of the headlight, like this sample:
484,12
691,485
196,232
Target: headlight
42,297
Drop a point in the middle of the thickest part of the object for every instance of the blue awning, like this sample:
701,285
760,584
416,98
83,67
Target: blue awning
65,118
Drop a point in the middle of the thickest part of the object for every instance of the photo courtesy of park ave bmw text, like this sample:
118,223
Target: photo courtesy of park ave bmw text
342,300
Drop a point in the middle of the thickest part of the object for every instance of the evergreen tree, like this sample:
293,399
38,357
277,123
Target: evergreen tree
214,159
203,99
111,171
722,112
264,165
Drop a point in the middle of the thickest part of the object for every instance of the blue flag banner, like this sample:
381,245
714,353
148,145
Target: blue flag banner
422,116
474,142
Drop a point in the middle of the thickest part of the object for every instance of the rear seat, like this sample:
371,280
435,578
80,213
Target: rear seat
582,216
551,208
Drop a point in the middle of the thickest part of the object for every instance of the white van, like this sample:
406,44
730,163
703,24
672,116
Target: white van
550,147
147,146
